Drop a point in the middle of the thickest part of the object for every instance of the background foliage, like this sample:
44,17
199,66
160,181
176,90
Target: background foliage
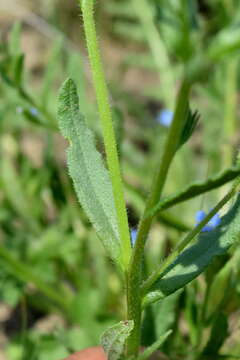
58,290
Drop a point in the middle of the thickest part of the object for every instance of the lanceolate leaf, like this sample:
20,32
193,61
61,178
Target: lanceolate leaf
197,188
90,177
190,125
113,339
155,346
192,261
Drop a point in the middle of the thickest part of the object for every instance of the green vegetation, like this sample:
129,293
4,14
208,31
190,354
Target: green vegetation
132,238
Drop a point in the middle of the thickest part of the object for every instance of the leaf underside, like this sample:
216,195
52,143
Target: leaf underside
113,339
90,177
193,261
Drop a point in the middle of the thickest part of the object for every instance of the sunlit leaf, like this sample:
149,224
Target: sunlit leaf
90,177
193,261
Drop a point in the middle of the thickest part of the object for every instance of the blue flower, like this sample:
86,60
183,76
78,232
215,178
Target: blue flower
212,224
133,236
165,117
33,111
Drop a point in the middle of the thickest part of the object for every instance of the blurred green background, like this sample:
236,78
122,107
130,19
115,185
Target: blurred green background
58,291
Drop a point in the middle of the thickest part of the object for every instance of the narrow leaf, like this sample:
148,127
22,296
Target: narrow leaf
90,177
18,68
14,44
113,339
193,261
218,335
155,346
190,125
225,43
197,188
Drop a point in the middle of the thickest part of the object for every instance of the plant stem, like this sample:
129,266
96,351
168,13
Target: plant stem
186,240
135,273
107,126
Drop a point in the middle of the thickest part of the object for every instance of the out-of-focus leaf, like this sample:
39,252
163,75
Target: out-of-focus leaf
86,168
51,72
118,127
114,338
15,192
17,69
224,43
192,261
222,280
165,313
155,346
14,44
218,335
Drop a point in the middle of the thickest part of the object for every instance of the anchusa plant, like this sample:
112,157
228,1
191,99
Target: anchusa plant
101,194
47,240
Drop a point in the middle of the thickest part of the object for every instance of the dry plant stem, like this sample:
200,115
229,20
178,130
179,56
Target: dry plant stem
135,270
107,126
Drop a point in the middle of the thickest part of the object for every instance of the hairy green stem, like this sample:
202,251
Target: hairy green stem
186,240
107,126
135,270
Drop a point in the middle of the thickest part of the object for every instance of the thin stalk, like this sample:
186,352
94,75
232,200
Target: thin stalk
25,273
107,126
145,14
135,273
230,108
186,240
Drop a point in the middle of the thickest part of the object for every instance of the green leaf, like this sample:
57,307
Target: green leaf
18,68
165,313
193,261
218,335
114,338
15,192
90,177
25,273
51,72
225,43
159,318
14,43
190,125
222,280
197,188
155,346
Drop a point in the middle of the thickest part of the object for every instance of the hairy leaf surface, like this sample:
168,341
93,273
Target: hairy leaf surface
114,338
192,261
197,188
90,177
